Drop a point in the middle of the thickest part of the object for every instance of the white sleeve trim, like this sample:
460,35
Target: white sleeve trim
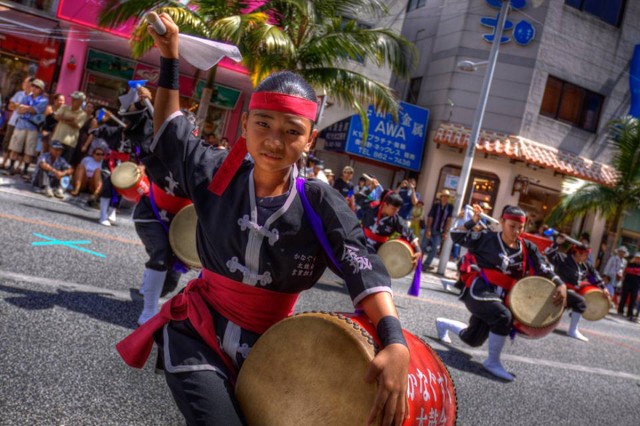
370,291
161,130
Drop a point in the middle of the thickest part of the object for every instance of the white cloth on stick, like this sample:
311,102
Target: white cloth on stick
204,54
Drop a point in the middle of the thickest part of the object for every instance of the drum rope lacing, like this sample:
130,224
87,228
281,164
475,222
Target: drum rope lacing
349,321
234,265
246,223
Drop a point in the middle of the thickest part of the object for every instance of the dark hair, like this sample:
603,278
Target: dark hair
288,83
392,198
514,211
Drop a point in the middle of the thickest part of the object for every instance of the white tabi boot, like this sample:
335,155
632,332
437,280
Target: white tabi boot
492,364
104,211
112,215
445,325
152,283
573,327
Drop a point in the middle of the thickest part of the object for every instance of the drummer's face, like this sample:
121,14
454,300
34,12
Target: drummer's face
276,139
511,230
581,256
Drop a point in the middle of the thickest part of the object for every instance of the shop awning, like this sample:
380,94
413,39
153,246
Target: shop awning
531,152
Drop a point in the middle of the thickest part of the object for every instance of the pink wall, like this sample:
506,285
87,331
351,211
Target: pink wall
233,128
70,79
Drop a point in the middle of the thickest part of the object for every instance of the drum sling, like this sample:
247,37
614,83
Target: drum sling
252,308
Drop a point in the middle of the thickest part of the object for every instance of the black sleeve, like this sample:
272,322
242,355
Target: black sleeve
467,237
363,272
540,265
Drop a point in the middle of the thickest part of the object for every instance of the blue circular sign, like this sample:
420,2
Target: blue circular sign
516,4
524,33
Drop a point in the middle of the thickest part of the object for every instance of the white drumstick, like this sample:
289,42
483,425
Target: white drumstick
114,118
155,21
483,215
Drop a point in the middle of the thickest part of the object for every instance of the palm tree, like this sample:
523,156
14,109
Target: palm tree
319,39
611,202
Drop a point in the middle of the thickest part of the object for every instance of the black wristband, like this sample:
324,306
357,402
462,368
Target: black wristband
169,73
390,331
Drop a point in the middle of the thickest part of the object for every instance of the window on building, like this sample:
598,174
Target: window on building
414,90
415,4
570,103
610,11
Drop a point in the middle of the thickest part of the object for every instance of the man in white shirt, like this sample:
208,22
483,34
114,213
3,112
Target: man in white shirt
614,270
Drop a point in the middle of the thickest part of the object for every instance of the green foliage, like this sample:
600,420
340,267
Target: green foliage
610,202
317,38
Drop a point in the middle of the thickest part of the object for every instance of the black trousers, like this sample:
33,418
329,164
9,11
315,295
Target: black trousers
628,290
486,316
576,302
161,257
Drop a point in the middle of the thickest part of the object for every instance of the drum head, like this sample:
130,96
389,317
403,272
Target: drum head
597,305
531,302
397,257
182,236
308,370
125,175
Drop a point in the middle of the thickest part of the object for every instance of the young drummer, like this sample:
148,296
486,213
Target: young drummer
574,268
501,258
257,249
383,221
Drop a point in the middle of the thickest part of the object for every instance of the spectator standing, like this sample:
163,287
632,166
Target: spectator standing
614,270
51,168
630,286
83,135
70,120
344,186
25,135
407,192
330,177
318,171
438,224
18,98
50,121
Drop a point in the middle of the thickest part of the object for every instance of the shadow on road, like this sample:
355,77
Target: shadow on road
76,215
457,359
102,307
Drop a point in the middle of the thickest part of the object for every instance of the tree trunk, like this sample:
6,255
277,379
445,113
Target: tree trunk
205,99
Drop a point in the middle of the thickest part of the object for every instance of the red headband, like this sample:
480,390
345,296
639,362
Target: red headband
521,219
581,249
284,103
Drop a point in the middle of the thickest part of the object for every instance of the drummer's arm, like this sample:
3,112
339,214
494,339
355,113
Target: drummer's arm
544,269
167,97
391,365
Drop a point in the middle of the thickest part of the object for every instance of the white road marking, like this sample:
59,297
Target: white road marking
545,362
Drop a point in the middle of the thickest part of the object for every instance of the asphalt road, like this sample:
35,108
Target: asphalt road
67,299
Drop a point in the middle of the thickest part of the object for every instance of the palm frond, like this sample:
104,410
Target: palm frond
625,138
116,12
591,197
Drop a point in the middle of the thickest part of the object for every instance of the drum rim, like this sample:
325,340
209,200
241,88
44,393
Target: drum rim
601,295
519,319
405,243
126,164
173,239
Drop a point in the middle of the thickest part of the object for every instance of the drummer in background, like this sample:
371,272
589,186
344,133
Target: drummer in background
257,248
500,259
152,215
574,268
382,222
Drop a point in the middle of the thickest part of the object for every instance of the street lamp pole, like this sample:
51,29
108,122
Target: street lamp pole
475,132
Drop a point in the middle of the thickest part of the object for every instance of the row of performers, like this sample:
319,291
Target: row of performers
495,262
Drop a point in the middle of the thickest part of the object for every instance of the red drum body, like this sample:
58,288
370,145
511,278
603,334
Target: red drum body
598,303
130,181
397,257
308,370
531,303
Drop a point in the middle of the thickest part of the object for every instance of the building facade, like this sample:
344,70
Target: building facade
562,74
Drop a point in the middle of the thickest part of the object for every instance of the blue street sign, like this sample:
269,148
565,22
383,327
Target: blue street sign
524,33
515,4
399,143
335,136
493,23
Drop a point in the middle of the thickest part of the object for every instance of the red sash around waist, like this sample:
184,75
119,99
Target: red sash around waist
375,237
168,202
493,276
254,309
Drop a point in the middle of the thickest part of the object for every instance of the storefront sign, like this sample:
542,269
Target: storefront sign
523,33
451,182
44,54
87,12
335,136
634,82
224,97
114,66
399,143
